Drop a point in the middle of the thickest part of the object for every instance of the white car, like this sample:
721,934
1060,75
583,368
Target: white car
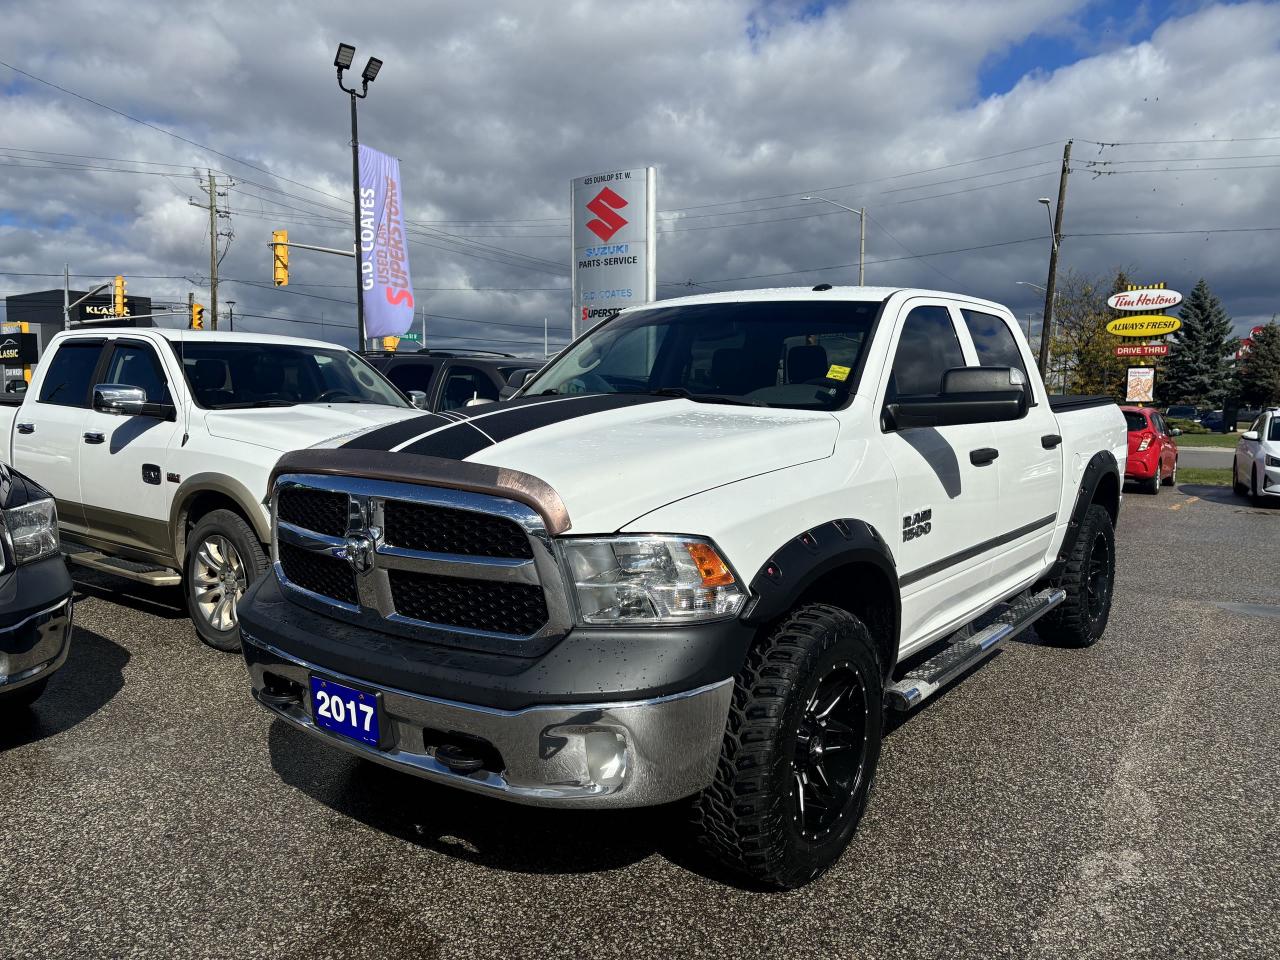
1256,469
157,446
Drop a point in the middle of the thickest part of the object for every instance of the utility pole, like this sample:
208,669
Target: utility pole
211,188
545,352
66,296
231,315
862,245
1056,239
213,249
191,303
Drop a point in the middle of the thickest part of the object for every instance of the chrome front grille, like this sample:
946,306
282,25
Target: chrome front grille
435,563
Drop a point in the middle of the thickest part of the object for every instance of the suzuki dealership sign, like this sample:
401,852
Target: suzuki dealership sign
614,244
384,250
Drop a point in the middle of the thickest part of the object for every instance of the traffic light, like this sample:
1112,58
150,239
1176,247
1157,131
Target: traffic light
119,296
197,316
280,256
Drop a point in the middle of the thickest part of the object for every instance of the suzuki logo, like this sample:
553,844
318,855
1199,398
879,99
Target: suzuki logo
361,549
603,206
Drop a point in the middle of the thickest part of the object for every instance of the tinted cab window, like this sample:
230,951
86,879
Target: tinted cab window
70,373
927,348
463,383
411,375
136,365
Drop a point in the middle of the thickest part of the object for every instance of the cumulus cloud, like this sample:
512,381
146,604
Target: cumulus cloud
493,108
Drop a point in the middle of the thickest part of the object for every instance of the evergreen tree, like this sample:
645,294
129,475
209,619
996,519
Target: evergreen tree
1259,371
1198,368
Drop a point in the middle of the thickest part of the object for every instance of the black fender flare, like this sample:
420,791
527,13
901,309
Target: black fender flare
801,561
1101,464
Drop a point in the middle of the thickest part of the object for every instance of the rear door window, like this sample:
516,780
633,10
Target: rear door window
993,340
70,373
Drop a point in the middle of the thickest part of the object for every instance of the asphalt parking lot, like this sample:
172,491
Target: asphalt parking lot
1122,801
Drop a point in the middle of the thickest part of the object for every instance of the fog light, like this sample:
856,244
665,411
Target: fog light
606,758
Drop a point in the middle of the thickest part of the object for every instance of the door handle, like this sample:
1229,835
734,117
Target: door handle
1050,440
94,438
26,428
982,456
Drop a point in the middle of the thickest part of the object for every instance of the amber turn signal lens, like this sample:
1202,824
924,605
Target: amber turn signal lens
714,571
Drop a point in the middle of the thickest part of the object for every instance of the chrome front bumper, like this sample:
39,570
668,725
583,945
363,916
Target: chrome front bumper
35,647
624,754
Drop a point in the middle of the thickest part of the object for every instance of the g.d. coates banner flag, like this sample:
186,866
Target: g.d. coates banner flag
384,250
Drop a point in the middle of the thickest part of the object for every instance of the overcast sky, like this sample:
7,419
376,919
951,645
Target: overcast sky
945,118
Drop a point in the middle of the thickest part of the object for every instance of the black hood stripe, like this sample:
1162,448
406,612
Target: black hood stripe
437,436
394,434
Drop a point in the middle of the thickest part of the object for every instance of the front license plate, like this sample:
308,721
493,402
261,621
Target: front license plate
346,711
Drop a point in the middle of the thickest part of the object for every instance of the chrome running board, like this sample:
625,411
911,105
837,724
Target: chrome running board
934,674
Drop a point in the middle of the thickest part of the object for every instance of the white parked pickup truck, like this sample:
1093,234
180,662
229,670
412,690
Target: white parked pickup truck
157,446
697,556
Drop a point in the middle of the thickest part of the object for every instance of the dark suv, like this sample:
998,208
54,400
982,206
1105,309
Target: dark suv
35,591
450,379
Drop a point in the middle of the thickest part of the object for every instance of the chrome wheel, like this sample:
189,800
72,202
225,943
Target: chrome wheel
829,762
218,581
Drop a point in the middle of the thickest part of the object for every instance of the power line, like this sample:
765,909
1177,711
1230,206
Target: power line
1161,143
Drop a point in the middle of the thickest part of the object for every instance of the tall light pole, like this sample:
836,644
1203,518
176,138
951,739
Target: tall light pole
342,60
862,233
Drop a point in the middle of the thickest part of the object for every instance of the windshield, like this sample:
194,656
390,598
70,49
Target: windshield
799,354
235,376
1136,421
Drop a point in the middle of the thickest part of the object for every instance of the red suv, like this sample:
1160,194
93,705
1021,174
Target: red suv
1153,453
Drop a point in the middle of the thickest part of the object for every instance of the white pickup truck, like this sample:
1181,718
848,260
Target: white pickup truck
157,446
697,556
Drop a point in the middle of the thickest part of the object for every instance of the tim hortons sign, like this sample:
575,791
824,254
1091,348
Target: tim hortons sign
1144,299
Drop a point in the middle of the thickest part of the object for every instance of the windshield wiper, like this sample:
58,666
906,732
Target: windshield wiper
706,397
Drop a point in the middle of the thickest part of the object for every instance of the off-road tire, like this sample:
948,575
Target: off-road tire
746,818
237,531
1081,619
23,697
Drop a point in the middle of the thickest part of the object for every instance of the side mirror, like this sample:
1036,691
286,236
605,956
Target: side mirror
122,400
419,399
1250,435
517,380
119,399
1175,432
968,395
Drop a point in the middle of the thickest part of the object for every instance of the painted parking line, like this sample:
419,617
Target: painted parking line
1185,503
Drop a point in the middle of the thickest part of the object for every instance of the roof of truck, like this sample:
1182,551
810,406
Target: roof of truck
205,336
820,292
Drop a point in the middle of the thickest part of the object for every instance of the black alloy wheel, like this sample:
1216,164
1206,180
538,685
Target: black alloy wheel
829,760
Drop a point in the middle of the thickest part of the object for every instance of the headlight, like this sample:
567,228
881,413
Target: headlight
1273,461
651,579
33,530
